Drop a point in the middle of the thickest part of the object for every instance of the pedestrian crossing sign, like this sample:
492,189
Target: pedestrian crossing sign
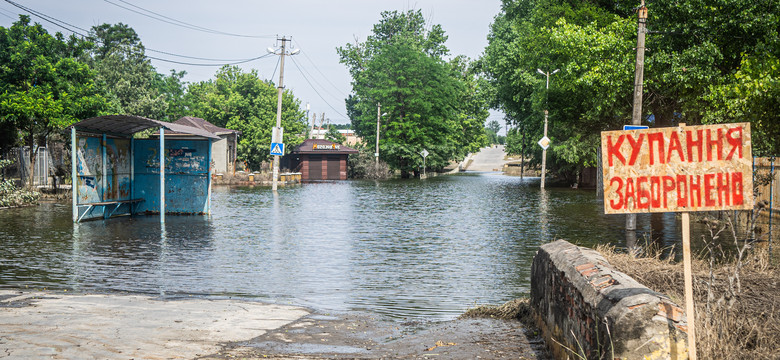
277,149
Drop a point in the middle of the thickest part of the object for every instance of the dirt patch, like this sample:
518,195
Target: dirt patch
364,337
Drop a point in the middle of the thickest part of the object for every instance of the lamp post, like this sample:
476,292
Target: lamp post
278,130
378,117
545,141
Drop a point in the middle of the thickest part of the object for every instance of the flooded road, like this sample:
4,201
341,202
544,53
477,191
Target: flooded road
400,249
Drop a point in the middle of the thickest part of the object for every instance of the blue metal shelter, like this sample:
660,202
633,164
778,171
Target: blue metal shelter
113,173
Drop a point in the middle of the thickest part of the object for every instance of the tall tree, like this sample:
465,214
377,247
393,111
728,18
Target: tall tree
708,62
44,86
401,66
124,71
242,101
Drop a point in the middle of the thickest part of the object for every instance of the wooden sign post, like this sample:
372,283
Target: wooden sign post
678,169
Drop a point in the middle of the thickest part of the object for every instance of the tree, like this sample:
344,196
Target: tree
334,135
401,66
591,46
126,74
172,89
708,62
242,101
45,87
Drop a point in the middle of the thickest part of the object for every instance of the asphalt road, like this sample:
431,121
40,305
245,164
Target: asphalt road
488,159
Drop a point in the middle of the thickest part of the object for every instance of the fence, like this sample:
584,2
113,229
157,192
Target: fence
767,188
47,162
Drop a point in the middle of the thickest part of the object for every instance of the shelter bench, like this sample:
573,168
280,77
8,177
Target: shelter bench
108,211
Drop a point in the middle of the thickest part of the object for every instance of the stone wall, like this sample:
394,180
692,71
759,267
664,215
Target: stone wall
588,310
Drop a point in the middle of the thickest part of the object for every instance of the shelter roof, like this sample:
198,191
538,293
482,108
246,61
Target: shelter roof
131,124
205,125
319,146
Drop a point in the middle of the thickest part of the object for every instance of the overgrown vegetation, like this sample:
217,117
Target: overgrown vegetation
707,63
364,165
736,291
12,196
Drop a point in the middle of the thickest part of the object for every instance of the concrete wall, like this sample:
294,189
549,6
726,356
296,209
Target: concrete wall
582,304
219,152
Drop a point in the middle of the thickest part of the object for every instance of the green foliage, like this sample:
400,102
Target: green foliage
334,135
753,95
43,85
11,196
706,62
125,73
430,104
172,88
364,165
242,101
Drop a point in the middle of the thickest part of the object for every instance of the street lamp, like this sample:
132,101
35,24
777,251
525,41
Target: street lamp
278,135
545,141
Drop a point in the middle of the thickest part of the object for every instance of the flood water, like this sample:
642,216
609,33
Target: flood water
402,249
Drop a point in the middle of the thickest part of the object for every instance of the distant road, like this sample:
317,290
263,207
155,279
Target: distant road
488,159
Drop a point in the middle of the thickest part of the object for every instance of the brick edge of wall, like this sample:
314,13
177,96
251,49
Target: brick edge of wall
582,304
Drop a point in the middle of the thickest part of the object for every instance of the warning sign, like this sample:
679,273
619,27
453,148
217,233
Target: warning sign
687,168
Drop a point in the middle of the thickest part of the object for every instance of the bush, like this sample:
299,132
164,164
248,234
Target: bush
11,196
363,165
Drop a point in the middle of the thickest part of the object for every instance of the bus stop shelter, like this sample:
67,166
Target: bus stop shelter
116,174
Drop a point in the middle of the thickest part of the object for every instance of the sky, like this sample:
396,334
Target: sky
244,29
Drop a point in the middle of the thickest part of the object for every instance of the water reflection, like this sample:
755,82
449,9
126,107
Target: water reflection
398,248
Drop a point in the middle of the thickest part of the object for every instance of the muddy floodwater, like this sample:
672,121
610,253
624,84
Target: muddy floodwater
402,249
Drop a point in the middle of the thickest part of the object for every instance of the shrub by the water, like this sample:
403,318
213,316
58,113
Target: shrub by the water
11,196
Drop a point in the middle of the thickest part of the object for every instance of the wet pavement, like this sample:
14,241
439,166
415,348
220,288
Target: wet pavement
48,325
364,337
57,325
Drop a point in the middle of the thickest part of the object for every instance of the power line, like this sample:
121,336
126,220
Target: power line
8,14
315,90
344,94
276,68
206,59
215,64
320,85
175,22
70,27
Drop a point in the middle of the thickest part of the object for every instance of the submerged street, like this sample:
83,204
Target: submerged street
397,249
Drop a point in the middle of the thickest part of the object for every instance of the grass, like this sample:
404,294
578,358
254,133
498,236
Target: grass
743,326
517,309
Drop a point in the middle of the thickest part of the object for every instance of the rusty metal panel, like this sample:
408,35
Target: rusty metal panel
89,169
675,169
117,170
186,176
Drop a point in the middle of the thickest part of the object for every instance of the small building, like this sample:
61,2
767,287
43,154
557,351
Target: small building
223,151
318,159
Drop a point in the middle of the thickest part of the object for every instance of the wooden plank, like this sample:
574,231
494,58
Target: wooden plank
689,309
677,169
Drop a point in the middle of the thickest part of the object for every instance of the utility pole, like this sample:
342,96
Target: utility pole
545,139
278,129
322,126
636,115
308,107
544,150
378,115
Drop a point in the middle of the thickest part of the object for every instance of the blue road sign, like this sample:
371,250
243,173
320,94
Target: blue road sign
277,149
635,127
